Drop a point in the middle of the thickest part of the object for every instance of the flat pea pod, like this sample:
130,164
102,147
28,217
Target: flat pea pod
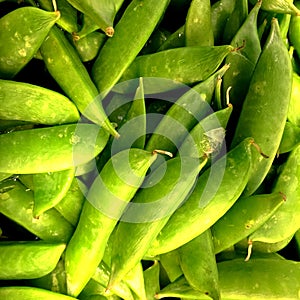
50,149
26,260
17,204
50,188
65,66
294,106
244,217
4,176
290,138
175,40
225,179
187,65
170,262
199,266
152,284
131,33
30,293
260,103
88,26
32,103
149,211
23,30
198,26
107,198
279,6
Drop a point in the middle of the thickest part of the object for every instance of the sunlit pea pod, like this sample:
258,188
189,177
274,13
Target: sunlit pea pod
294,105
290,138
17,205
107,199
23,30
294,29
170,262
32,103
297,240
25,260
279,6
152,282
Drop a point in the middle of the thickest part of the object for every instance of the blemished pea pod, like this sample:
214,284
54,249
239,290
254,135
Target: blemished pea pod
175,40
17,204
50,188
32,103
50,149
260,115
149,211
26,260
23,30
30,293
244,217
290,138
131,33
279,6
198,26
65,66
107,198
225,179
170,262
152,282
184,114
294,106
187,65
199,266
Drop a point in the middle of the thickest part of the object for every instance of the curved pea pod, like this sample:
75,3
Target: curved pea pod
184,114
170,262
31,103
149,211
199,266
88,26
102,12
175,40
187,65
50,149
225,179
107,198
244,217
25,260
65,66
279,6
131,33
260,115
17,204
198,27
290,138
50,188
30,293
152,282
23,30
294,106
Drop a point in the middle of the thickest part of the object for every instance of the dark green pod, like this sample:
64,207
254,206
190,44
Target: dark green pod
290,138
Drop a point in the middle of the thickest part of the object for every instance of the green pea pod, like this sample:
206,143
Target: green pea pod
88,26
260,115
198,27
65,66
279,6
175,40
68,14
23,30
17,204
151,208
187,65
199,266
116,184
49,189
25,260
4,176
294,106
290,138
244,217
184,114
170,262
131,33
225,179
102,12
31,103
294,29
30,293
50,149
297,240
152,284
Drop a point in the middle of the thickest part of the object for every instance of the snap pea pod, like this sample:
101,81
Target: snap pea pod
50,188
294,29
170,262
88,26
244,217
290,138
151,208
199,266
294,106
279,6
198,27
63,63
25,260
260,116
17,204
131,33
175,40
107,198
30,293
50,149
152,284
32,103
225,179
23,30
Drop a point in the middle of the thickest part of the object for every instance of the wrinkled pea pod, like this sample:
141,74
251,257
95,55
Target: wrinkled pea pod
290,138
23,30
105,202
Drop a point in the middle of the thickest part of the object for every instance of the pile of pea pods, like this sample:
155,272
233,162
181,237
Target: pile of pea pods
149,149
